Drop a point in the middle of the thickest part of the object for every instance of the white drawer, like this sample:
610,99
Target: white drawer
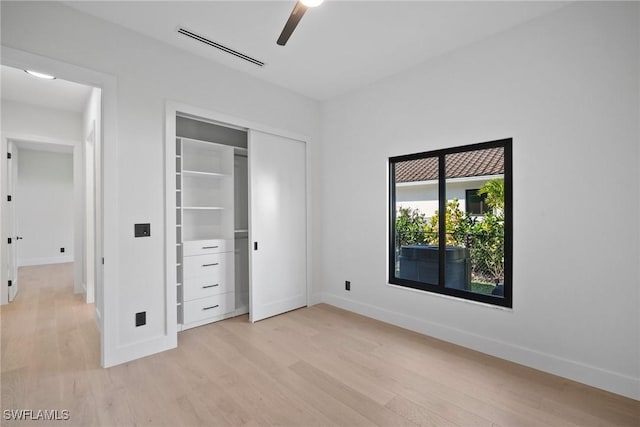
210,307
219,281
212,265
201,247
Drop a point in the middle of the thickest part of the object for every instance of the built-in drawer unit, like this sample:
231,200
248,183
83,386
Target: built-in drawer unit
211,265
202,247
200,310
209,280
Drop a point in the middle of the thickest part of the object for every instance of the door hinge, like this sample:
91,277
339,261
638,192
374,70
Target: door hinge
102,260
10,284
9,239
8,155
8,198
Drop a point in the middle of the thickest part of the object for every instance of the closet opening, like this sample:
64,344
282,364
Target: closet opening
212,248
236,219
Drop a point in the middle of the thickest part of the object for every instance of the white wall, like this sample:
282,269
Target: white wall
29,120
565,87
44,207
148,74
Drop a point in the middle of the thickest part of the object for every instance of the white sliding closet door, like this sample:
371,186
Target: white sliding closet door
277,228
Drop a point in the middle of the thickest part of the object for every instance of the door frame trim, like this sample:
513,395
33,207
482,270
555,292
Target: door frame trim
107,315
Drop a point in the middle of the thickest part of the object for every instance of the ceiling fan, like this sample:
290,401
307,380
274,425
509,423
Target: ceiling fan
299,9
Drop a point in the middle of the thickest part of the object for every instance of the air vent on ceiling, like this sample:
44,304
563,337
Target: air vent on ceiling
205,40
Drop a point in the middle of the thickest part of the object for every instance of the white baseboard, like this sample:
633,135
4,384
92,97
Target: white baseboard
138,350
22,262
315,299
573,370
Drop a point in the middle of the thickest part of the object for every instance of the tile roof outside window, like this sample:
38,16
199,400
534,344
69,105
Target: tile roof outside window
458,165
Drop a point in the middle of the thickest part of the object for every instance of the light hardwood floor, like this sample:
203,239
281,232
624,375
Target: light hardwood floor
311,367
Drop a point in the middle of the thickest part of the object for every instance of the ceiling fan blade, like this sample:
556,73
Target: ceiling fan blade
296,15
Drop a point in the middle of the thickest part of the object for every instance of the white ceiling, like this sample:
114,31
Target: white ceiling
337,47
16,85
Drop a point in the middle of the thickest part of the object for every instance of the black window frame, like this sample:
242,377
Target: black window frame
507,299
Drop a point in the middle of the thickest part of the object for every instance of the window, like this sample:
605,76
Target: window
438,246
475,203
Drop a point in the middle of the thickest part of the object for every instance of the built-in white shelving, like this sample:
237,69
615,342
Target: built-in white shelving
205,208
179,218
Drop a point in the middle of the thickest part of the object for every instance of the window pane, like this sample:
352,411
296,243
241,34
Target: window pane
450,221
416,219
474,259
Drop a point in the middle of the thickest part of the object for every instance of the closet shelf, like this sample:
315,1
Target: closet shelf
201,173
203,208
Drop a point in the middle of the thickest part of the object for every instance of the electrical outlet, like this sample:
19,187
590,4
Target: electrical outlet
61,249
142,230
347,285
141,318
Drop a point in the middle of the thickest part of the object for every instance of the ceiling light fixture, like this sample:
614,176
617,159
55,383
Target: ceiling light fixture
40,75
311,3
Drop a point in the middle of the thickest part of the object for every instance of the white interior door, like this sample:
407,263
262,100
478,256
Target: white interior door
277,225
12,253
